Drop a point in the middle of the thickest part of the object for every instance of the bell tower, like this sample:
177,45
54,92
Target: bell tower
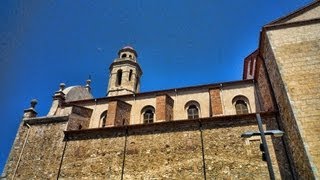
125,73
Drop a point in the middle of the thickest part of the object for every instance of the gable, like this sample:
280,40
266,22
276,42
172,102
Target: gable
308,12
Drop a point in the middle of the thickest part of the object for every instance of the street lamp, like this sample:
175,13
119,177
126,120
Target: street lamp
276,133
264,147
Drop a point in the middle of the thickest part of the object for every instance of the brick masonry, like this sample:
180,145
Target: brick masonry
118,113
79,118
164,107
215,101
263,87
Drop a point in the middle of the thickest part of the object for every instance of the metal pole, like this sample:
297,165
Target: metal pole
265,146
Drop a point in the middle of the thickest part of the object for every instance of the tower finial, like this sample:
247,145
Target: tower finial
88,87
62,86
31,112
33,103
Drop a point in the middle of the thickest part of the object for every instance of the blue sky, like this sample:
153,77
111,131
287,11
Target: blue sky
179,43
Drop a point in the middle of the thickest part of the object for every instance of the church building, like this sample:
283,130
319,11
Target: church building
196,132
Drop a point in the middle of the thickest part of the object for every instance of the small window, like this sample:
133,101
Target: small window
103,119
148,117
119,77
148,114
130,74
130,56
193,112
137,83
241,104
124,55
241,107
193,109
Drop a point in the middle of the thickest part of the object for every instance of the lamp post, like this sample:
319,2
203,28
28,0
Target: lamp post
262,133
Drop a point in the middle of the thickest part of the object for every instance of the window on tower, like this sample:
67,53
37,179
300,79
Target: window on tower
124,55
103,119
119,77
137,83
130,74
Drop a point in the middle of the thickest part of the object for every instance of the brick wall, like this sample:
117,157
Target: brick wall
263,87
118,113
79,118
215,102
164,107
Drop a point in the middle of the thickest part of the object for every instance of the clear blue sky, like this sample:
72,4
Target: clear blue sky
180,43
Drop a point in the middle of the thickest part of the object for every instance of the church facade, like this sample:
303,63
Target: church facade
186,133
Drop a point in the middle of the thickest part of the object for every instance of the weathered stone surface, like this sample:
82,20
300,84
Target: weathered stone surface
98,156
164,152
42,152
293,63
228,156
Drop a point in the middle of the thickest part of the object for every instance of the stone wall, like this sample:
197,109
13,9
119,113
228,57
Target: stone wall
293,63
41,155
229,156
94,156
187,149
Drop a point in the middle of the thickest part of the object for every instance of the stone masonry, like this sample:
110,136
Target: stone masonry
292,56
188,149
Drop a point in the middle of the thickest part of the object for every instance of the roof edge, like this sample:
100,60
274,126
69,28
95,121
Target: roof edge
213,85
295,13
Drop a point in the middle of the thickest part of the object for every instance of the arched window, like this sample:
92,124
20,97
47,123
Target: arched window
130,74
241,107
130,56
241,104
124,55
103,119
193,109
119,77
148,114
193,112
